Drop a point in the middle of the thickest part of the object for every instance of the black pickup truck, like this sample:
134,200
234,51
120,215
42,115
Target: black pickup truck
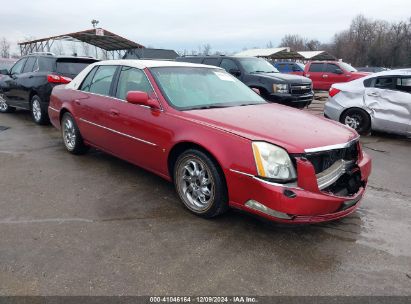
257,73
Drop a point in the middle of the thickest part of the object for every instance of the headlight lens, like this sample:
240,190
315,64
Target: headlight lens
273,162
280,88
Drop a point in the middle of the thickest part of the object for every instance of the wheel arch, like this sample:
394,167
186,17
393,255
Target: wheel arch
182,146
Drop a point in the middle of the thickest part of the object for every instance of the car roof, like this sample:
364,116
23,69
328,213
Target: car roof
142,64
401,72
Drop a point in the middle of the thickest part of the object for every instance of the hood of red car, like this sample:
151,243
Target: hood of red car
292,129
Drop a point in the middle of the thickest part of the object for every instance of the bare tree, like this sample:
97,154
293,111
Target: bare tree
270,45
73,48
205,49
4,48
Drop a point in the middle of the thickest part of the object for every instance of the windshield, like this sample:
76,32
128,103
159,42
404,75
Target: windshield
347,67
257,65
187,88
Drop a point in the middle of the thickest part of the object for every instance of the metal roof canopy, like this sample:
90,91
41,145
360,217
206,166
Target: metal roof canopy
98,37
271,53
317,55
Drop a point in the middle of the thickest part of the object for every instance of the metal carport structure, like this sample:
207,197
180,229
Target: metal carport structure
97,37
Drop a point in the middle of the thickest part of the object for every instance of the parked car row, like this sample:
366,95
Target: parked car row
200,127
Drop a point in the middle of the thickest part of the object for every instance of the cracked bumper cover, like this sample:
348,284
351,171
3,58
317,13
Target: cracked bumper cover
309,205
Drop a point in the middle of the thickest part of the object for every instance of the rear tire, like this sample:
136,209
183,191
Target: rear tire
72,139
200,184
357,119
4,107
38,111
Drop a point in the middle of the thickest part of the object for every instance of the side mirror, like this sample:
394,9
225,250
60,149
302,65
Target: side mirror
338,71
141,98
4,72
235,72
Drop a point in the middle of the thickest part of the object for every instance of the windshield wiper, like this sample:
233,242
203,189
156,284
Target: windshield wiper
209,107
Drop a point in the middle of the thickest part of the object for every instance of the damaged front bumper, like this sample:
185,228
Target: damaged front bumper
302,202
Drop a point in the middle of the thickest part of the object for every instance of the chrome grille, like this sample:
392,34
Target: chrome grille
300,89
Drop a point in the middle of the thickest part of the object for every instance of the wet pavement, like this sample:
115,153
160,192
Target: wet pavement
96,225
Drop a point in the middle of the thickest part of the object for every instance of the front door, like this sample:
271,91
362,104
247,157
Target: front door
11,84
317,75
138,128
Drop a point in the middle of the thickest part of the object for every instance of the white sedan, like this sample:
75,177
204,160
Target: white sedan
380,101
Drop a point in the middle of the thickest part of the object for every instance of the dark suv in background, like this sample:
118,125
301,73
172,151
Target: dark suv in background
28,84
259,74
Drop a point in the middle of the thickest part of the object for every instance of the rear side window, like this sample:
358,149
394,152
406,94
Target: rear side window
316,67
211,61
101,82
46,64
85,86
385,83
132,79
368,82
70,68
29,66
404,84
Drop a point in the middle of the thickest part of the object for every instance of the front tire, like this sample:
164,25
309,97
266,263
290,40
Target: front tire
38,111
4,107
73,141
200,184
357,119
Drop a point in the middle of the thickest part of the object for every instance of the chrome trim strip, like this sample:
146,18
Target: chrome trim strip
333,173
243,173
332,147
117,132
53,109
290,185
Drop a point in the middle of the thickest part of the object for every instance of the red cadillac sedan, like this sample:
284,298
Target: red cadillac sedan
218,141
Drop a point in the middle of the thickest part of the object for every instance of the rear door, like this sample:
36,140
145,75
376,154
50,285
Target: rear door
94,105
11,83
25,83
389,98
316,74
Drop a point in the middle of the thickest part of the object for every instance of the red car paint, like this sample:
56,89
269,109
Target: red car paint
227,134
322,80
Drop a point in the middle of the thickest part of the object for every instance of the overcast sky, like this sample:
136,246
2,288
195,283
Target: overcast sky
185,24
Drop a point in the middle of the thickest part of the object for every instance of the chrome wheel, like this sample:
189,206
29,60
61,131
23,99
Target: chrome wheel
195,184
36,109
3,104
69,134
353,121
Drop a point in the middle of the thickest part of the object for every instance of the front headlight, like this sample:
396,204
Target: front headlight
280,88
273,162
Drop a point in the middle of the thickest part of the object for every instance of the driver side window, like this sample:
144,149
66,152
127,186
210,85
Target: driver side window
132,79
18,67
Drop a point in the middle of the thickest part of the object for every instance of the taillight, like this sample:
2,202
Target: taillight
52,78
333,92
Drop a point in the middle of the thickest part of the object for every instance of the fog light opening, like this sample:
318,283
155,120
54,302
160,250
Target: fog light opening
264,209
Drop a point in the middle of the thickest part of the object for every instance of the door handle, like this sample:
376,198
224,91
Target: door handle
31,76
325,76
77,102
114,112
